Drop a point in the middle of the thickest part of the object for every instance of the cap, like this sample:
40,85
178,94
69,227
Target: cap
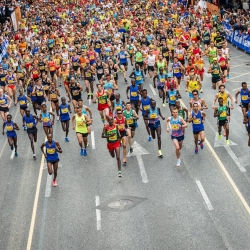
215,59
169,75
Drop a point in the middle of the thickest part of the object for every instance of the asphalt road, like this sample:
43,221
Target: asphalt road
204,204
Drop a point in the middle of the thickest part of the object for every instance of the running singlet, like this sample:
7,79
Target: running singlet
244,96
10,129
30,121
197,122
51,153
222,111
81,126
145,104
64,112
129,117
112,130
46,119
176,125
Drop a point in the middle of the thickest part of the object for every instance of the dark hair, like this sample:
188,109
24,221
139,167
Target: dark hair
243,83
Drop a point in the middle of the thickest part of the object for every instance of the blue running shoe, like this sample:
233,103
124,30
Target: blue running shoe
66,139
81,153
201,145
196,150
12,147
150,138
16,154
85,152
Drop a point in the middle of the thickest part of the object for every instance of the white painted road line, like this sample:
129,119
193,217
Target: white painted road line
142,169
234,157
93,139
98,214
48,186
138,151
152,88
89,101
204,195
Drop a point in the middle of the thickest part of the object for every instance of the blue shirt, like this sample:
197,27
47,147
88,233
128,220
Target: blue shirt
64,112
134,96
51,153
197,122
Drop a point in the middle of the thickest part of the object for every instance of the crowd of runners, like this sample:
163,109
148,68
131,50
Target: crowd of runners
92,49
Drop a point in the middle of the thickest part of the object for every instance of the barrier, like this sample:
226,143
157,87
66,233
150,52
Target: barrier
241,41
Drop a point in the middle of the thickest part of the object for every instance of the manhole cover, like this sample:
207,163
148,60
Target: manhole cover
120,204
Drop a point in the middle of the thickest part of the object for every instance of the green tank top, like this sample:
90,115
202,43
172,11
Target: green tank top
161,65
181,113
216,69
223,115
138,57
110,131
212,53
129,117
81,124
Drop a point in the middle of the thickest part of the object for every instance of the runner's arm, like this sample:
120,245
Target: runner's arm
58,147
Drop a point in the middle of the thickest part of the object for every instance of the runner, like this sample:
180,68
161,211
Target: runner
103,102
172,95
4,106
117,103
137,74
197,118
23,102
161,80
11,133
79,124
65,116
121,122
30,121
134,97
46,120
222,112
152,116
247,123
75,90
177,68
112,134
51,155
216,72
175,124
192,83
131,117
245,98
54,93
122,56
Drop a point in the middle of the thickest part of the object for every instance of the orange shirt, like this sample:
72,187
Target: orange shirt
22,47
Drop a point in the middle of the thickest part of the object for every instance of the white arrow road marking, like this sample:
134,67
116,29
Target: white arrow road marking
222,143
244,160
204,195
138,151
98,214
152,88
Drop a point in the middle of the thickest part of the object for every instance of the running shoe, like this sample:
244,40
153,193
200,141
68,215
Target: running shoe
136,124
219,136
201,90
12,147
160,154
125,80
119,174
131,150
196,150
25,127
34,156
150,138
16,154
124,163
163,105
54,183
85,152
57,118
227,142
178,164
202,145
199,142
66,139
228,77
81,153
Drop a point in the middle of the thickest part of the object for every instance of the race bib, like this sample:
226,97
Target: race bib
176,70
39,93
102,101
244,97
121,126
2,101
129,121
46,87
153,116
22,102
80,124
9,128
134,94
45,119
53,96
88,74
146,107
30,125
172,98
197,121
223,114
162,80
113,138
75,92
216,72
175,126
138,78
64,111
51,151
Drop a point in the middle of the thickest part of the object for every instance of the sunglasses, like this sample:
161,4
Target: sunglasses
195,94
119,113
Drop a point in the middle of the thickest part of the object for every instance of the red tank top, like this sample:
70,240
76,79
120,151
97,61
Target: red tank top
121,123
